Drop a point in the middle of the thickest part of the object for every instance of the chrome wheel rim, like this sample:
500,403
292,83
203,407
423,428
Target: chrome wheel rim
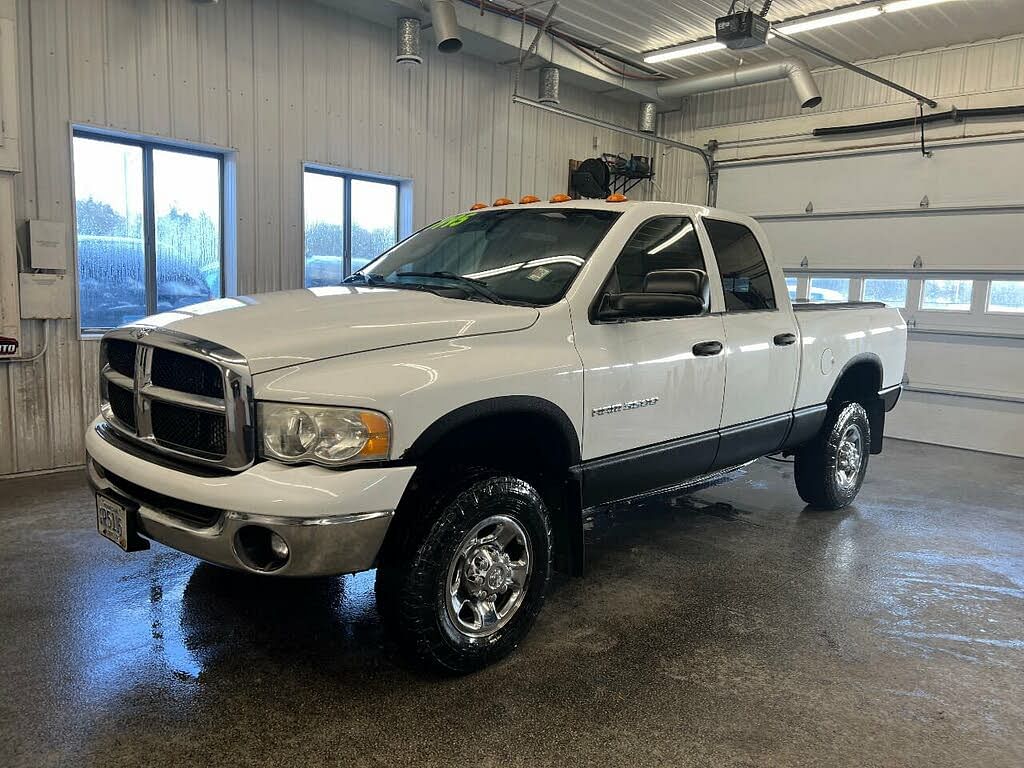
488,576
849,457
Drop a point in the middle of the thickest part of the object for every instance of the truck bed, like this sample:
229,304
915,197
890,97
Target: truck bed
837,335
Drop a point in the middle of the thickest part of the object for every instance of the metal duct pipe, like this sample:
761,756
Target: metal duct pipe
446,26
648,122
408,42
548,85
795,69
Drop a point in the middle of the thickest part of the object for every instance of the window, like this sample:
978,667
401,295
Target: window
523,256
664,243
745,277
826,289
148,221
1006,296
349,221
951,295
892,293
791,287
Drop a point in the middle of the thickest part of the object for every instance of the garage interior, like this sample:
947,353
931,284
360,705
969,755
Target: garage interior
731,626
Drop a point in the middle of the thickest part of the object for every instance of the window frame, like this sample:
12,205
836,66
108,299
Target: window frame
764,258
347,178
595,304
148,145
986,307
852,289
908,293
956,312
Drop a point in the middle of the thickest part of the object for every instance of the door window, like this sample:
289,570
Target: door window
746,279
664,243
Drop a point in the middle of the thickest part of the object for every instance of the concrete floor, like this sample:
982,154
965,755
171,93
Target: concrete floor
729,628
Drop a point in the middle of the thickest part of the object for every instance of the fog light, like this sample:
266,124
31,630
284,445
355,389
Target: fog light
260,548
278,546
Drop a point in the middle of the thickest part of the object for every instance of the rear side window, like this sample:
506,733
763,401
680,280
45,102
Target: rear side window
746,281
664,243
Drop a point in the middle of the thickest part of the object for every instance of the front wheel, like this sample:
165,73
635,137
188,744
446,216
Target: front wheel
465,583
829,471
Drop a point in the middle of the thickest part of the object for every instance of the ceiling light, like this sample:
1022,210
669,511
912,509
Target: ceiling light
906,5
807,24
680,51
829,20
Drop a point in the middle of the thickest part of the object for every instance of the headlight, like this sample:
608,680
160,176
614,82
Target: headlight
322,434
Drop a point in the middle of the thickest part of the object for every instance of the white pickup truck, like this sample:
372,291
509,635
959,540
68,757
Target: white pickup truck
449,412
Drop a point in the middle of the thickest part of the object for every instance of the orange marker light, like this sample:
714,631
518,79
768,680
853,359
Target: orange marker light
560,199
616,198
528,199
477,206
502,201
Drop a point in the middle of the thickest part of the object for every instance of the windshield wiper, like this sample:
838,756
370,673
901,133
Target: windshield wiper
366,277
479,287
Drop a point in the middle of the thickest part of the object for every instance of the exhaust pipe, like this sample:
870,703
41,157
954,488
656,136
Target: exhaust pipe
446,26
795,69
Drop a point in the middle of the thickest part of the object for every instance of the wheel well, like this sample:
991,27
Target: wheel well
533,444
860,382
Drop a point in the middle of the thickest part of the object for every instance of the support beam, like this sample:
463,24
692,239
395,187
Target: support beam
854,68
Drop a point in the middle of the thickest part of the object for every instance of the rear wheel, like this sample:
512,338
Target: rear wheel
462,586
829,470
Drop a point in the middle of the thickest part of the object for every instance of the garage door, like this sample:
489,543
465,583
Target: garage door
943,238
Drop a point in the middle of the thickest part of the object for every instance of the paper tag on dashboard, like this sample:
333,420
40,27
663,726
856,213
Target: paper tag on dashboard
538,274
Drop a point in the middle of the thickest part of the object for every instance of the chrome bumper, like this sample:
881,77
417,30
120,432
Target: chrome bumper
333,522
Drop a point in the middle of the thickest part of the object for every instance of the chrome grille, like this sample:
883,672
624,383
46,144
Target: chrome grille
178,395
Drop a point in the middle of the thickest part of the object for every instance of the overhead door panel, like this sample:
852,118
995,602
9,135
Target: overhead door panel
940,241
980,173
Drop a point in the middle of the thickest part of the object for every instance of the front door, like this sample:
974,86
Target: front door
653,389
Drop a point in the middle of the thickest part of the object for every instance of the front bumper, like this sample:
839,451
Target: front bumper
333,521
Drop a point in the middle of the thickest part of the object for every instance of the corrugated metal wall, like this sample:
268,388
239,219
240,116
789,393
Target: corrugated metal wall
281,82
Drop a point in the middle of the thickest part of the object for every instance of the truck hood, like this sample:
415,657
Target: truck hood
275,330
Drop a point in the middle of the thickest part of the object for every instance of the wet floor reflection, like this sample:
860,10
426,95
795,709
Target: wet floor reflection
903,614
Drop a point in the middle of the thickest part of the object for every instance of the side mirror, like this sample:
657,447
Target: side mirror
648,306
667,293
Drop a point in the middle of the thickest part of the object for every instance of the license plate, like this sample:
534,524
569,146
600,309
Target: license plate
112,520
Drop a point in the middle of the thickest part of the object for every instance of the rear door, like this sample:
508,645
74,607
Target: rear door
652,394
762,352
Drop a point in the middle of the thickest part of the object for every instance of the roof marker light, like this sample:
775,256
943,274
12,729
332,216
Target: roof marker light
560,198
616,198
502,201
477,206
528,199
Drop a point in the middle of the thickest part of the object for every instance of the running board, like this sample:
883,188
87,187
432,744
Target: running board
693,484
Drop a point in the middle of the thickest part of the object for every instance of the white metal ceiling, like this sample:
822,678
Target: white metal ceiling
634,27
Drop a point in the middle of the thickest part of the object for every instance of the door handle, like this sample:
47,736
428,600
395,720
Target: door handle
784,339
707,348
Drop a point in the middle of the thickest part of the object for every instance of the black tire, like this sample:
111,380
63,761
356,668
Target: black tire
415,572
828,476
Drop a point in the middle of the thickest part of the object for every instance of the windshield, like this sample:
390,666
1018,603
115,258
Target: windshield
517,257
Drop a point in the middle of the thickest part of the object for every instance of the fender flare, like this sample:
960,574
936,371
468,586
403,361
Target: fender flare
509,405
863,357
